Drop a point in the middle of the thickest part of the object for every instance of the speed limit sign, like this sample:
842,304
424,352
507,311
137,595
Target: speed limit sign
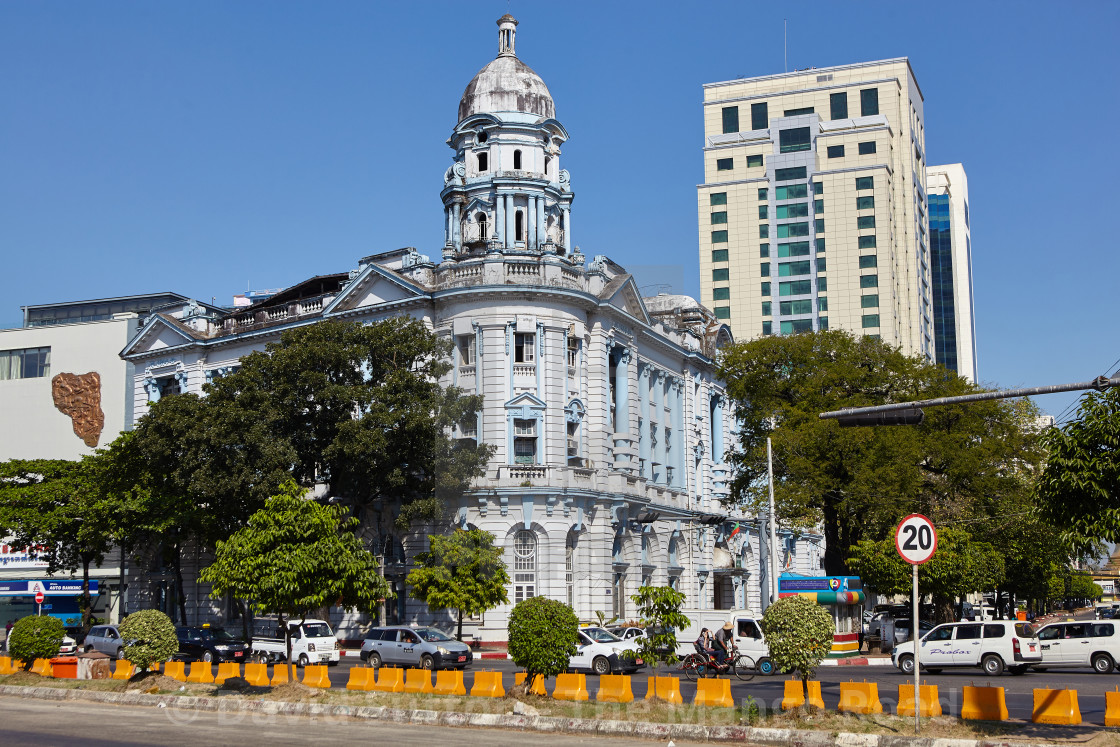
915,539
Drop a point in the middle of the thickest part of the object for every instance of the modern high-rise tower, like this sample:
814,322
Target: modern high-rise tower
812,211
950,249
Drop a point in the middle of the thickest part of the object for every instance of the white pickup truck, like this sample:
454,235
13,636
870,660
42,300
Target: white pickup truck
313,642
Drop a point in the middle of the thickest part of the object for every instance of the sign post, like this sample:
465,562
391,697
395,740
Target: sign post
916,541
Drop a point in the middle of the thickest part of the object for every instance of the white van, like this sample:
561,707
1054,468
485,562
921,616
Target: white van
1087,643
746,627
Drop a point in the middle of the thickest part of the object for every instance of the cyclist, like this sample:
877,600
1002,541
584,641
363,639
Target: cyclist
712,651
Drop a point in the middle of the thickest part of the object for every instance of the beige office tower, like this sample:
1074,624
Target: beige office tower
812,210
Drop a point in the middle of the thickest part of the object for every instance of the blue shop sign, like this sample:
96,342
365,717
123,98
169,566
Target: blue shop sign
51,588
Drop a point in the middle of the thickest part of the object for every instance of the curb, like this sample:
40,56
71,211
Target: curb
543,724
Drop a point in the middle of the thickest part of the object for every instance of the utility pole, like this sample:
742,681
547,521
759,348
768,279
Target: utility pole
773,559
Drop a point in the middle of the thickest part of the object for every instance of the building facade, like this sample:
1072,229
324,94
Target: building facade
609,424
950,250
812,213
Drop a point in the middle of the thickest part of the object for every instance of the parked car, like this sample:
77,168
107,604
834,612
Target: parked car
902,632
106,639
313,642
425,648
627,633
990,646
68,647
601,652
1080,644
208,644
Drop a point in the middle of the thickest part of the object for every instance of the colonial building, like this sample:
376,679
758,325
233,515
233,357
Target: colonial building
610,426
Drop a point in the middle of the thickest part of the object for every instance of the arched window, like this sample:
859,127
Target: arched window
517,160
483,162
483,234
519,226
524,566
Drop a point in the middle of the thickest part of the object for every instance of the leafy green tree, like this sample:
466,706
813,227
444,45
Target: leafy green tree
856,482
959,567
799,635
1079,491
543,634
149,638
294,556
462,571
362,409
660,610
35,637
56,509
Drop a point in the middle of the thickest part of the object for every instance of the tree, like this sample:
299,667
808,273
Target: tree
959,567
799,635
55,509
294,556
462,572
149,638
660,610
543,633
35,637
964,461
362,409
1079,491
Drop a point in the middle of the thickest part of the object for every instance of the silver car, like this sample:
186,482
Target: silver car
106,639
425,648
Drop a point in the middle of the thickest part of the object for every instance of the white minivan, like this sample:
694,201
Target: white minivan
1087,643
992,646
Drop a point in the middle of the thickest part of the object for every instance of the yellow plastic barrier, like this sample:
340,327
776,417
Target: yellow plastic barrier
614,688
227,670
449,682
176,670
42,667
859,697
280,675
256,674
571,687
1112,708
795,695
418,681
538,683
713,692
6,665
928,708
1055,707
389,680
315,675
124,670
983,703
665,688
361,678
201,673
488,685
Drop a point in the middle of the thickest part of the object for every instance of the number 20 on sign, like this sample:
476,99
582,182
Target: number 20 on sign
916,541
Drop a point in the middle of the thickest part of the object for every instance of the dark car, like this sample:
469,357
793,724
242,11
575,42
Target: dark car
210,644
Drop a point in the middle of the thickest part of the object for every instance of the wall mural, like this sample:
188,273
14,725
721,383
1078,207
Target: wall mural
79,397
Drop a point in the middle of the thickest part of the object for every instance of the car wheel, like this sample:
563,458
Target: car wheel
427,662
374,660
208,657
765,666
120,653
993,665
1102,663
600,665
302,661
263,659
906,664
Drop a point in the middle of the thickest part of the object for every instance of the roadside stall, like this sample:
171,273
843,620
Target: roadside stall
842,596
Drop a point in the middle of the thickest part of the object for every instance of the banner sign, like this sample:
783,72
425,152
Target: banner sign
50,588
13,559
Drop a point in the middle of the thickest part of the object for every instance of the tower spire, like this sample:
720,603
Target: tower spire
507,30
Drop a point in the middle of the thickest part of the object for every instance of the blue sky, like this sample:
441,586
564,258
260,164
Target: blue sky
210,147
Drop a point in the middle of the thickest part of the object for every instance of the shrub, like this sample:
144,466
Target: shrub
799,634
661,609
35,637
149,638
542,636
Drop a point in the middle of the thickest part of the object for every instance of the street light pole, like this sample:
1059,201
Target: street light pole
773,560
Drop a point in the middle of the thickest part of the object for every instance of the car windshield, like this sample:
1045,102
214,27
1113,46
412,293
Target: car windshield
432,635
220,635
600,636
317,630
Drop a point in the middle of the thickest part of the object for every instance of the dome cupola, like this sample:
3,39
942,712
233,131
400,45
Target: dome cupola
507,84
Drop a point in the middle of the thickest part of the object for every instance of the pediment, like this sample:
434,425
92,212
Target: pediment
627,298
157,334
526,400
373,287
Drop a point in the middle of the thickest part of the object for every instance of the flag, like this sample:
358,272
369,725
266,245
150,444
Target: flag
735,529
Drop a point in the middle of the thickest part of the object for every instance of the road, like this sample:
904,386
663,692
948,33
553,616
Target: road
32,723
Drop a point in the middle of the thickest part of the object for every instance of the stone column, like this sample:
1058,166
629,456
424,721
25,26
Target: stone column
567,212
542,226
643,428
531,223
500,219
457,227
658,381
622,393
679,478
717,430
511,211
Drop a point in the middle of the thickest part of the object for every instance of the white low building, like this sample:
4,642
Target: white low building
610,426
